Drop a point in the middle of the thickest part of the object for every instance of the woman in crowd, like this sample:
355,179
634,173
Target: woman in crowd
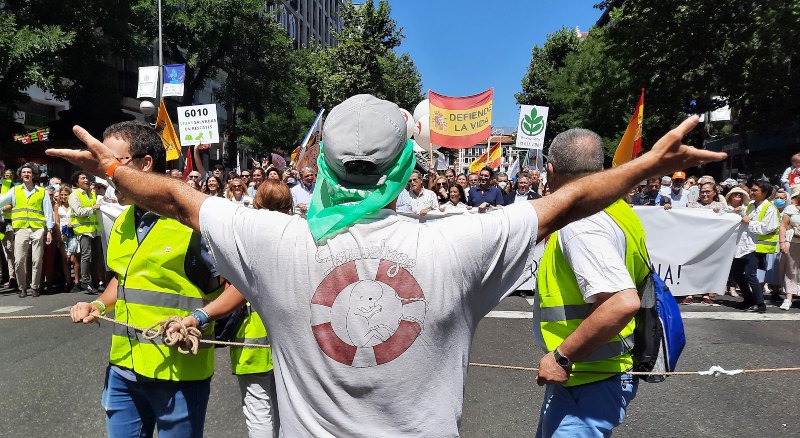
56,246
707,199
455,202
440,188
214,186
236,193
690,182
273,174
71,249
789,241
738,199
771,276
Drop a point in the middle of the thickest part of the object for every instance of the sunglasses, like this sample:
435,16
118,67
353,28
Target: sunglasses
245,175
237,187
441,184
193,176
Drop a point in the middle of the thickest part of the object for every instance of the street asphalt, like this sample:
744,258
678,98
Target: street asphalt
52,376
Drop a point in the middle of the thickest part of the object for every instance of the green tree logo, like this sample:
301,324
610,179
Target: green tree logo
532,124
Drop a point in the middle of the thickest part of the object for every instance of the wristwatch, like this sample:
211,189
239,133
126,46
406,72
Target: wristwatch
563,361
202,317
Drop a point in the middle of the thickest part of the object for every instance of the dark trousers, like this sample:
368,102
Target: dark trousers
744,271
90,256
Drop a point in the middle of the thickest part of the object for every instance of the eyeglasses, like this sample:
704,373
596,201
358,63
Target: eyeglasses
245,175
441,184
193,176
125,160
237,187
706,192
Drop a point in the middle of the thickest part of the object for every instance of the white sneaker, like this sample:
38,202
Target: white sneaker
786,305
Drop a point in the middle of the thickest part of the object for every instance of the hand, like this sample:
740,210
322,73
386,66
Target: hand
95,160
49,239
667,206
424,211
785,248
550,372
482,208
746,219
303,208
441,208
188,321
670,154
96,206
84,312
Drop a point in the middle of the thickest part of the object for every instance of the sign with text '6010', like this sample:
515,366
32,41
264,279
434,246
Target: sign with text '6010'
198,124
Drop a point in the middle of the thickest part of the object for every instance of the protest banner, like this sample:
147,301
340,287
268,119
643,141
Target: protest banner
174,77
198,124
460,122
696,263
148,82
532,126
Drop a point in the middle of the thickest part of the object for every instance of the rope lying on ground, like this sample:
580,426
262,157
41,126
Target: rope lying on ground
187,340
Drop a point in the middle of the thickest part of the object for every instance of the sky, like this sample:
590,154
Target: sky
463,47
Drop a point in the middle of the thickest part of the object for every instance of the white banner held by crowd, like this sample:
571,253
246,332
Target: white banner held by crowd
532,126
148,82
197,124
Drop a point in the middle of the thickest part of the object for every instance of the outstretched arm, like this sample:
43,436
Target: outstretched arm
588,195
158,193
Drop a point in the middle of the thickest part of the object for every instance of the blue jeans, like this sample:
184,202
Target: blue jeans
134,409
590,410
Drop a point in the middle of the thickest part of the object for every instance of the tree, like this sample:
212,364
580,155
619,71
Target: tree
363,61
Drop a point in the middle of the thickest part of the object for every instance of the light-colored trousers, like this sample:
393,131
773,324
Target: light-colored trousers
259,404
28,241
8,247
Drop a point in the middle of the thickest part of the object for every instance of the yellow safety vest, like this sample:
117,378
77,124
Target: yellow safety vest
251,360
765,243
28,212
84,224
563,309
152,287
6,186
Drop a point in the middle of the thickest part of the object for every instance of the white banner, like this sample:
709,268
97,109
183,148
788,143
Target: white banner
691,249
148,82
531,126
198,124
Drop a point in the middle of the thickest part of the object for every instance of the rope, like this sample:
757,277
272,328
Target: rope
187,339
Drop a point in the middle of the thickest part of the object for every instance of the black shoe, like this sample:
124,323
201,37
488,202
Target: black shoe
742,306
759,308
12,284
75,289
89,289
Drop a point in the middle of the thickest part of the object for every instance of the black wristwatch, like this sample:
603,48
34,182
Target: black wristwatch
563,361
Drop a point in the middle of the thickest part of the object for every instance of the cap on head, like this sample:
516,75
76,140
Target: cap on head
363,137
679,175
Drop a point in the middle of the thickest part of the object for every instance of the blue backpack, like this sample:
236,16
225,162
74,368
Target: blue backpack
659,337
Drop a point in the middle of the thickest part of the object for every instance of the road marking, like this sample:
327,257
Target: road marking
65,309
529,300
510,314
742,316
12,309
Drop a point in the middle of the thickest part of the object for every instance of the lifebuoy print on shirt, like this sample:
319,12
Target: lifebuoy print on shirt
364,322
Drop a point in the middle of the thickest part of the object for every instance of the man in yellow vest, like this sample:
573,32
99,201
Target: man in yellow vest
32,221
161,270
587,298
762,219
7,230
85,223
370,318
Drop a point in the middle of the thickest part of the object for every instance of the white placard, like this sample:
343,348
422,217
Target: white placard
531,126
148,82
198,124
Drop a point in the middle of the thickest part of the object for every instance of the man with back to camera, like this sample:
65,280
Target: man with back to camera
372,327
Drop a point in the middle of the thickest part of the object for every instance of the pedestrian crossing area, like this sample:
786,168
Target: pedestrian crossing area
12,309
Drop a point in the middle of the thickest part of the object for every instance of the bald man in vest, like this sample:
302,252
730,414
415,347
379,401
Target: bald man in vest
587,298
162,270
371,317
32,221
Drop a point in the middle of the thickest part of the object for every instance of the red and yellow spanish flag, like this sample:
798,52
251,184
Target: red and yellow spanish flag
491,159
166,129
460,122
294,154
631,144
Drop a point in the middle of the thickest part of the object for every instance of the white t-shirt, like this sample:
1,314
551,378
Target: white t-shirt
371,332
595,248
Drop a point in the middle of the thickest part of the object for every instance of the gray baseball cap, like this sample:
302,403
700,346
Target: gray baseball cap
362,139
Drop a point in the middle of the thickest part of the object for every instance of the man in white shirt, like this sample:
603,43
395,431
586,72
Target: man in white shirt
301,193
372,323
422,199
675,196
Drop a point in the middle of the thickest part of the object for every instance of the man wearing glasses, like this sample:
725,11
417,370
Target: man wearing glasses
422,199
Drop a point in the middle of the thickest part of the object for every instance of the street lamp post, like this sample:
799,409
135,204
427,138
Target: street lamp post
146,107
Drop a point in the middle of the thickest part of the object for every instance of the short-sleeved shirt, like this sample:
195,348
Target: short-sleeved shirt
371,331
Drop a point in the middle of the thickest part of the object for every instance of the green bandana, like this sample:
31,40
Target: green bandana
334,207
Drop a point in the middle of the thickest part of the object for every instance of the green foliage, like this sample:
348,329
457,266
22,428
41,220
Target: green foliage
364,61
